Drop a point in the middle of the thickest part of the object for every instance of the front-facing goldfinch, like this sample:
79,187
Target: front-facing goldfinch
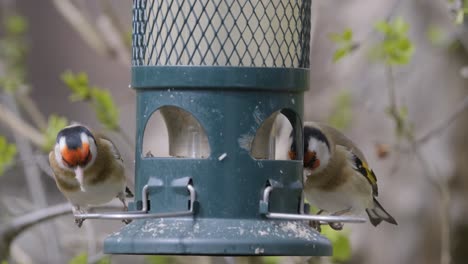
88,169
337,178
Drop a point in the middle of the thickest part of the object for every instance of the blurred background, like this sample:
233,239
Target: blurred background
391,74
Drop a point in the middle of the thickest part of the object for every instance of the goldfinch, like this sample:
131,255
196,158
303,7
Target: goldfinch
337,178
88,169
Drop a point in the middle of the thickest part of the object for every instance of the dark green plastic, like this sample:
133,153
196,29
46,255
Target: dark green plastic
231,64
227,219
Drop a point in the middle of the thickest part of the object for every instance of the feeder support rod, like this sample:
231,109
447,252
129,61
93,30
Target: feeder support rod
321,218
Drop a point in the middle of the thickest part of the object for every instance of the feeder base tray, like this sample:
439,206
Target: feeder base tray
229,237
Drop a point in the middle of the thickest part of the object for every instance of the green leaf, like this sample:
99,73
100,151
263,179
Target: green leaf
339,54
13,51
344,44
395,48
7,154
342,116
78,84
81,258
16,24
4,262
335,37
101,100
105,108
270,260
158,259
104,260
54,125
459,17
348,35
340,243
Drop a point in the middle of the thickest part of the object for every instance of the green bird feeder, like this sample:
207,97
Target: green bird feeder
219,72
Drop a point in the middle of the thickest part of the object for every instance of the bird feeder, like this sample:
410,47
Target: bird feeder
219,72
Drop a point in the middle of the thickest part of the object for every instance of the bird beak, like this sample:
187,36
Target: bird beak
79,177
310,160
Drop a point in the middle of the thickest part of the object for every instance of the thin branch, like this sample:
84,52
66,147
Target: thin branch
79,22
444,193
19,126
438,184
110,12
10,230
43,164
113,39
442,125
32,110
35,186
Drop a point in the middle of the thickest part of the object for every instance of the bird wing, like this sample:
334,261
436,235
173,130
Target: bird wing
340,139
363,169
112,147
357,158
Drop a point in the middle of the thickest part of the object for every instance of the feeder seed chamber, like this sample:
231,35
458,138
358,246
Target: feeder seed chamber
219,72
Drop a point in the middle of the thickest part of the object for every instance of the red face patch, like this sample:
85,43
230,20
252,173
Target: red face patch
310,160
74,157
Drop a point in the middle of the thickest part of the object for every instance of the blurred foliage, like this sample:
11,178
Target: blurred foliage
78,84
271,260
404,128
436,35
82,258
159,259
344,42
340,242
101,100
4,262
460,9
7,154
13,51
54,125
342,115
395,48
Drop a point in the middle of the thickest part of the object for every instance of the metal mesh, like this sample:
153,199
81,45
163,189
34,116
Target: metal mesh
259,33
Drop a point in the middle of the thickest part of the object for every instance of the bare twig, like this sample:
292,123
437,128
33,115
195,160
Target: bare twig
444,193
430,174
113,39
79,22
32,110
109,10
35,187
20,127
441,126
43,164
10,230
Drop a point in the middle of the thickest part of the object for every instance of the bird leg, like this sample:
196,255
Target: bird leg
77,210
121,196
339,226
316,224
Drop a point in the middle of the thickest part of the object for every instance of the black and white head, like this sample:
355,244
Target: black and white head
75,148
317,150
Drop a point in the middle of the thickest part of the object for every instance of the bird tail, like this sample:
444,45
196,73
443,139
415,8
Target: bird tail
128,193
378,214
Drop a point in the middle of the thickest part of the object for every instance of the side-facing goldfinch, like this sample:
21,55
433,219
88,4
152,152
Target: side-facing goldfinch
337,178
88,169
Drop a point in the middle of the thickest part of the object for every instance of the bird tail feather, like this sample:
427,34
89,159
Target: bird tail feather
128,193
378,214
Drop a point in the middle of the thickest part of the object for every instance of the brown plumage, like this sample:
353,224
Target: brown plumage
91,178
343,182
